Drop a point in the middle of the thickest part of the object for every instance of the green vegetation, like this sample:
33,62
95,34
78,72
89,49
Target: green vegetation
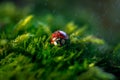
26,52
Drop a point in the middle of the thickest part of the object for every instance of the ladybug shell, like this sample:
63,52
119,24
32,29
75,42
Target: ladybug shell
59,36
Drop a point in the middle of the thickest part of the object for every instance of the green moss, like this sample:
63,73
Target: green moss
26,53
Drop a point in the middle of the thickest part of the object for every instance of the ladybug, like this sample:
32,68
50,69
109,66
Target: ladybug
59,38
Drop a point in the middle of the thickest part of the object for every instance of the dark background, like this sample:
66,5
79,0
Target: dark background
102,15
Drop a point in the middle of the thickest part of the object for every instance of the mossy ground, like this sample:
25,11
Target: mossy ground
26,52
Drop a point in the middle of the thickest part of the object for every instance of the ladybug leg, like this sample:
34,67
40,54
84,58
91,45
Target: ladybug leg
55,43
58,40
62,41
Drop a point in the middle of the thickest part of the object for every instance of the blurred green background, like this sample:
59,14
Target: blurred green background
102,16
93,28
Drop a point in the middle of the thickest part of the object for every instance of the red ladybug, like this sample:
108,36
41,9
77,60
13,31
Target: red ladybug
59,37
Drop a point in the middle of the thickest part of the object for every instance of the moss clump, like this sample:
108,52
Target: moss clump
26,53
